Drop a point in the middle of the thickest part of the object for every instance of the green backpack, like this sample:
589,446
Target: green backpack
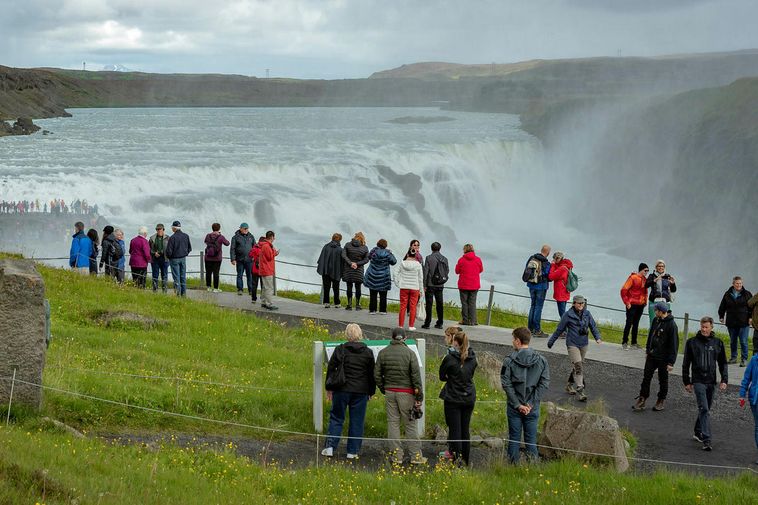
572,281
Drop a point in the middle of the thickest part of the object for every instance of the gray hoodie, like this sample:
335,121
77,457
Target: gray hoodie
525,377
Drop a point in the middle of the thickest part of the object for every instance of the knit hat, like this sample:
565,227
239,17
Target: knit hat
661,307
176,224
643,266
398,334
243,225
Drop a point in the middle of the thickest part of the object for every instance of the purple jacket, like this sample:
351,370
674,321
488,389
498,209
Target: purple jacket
139,252
217,240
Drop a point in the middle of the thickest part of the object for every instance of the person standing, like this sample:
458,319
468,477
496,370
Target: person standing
662,286
214,255
139,257
95,240
356,361
178,248
703,353
355,255
559,274
577,322
459,396
734,310
255,256
398,376
753,306
525,378
121,263
634,296
81,250
410,280
329,267
662,346
537,278
158,261
469,269
749,392
110,255
241,244
378,278
436,272
267,262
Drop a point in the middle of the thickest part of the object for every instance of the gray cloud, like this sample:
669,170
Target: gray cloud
352,38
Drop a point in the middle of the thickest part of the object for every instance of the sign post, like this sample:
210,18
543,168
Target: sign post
318,386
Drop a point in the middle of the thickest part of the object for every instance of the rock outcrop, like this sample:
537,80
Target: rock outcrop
582,434
23,330
22,126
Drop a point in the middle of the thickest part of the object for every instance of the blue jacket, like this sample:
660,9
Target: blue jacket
122,262
378,276
540,286
576,327
749,387
81,250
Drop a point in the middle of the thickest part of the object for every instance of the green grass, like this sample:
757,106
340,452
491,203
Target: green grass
40,466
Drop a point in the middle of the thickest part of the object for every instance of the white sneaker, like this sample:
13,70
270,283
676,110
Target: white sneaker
210,290
352,456
216,290
328,452
411,328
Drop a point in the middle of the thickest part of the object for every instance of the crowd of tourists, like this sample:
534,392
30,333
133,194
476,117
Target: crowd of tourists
421,282
55,206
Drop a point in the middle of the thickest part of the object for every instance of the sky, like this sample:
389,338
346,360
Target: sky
334,39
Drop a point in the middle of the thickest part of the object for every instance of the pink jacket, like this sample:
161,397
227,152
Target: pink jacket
559,273
468,268
139,252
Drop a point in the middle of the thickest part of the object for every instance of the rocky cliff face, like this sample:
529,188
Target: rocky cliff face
32,93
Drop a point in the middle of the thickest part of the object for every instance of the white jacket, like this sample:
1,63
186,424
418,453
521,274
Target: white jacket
410,275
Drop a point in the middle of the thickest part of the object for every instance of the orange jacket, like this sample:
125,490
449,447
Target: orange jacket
633,291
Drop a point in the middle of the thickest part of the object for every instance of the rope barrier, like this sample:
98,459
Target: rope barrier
317,436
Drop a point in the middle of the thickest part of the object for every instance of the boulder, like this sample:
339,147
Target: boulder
22,126
595,434
23,330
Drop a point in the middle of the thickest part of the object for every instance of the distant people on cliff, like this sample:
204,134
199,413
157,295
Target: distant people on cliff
241,244
267,262
634,296
139,257
577,323
329,267
255,257
178,248
378,277
158,261
81,250
736,314
111,253
355,256
95,240
537,278
436,273
56,206
214,255
560,270
662,286
660,355
410,280
121,265
469,269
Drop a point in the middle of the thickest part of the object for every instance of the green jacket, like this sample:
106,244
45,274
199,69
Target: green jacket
753,306
397,367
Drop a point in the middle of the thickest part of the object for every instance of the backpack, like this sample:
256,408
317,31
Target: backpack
533,271
117,252
212,249
572,281
438,278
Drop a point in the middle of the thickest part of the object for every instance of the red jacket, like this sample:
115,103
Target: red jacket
633,291
255,253
468,268
266,261
559,273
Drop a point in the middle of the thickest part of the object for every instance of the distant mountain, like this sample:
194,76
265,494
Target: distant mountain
116,68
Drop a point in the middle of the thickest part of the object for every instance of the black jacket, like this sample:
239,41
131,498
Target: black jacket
240,245
109,246
666,287
663,341
358,362
354,252
735,309
704,354
459,385
330,261
430,265
178,245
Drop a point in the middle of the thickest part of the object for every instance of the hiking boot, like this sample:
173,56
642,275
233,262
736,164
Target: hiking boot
541,334
640,405
328,452
742,363
698,437
418,459
580,395
732,361
358,307
707,446
349,307
570,389
659,406
326,306
425,326
239,292
625,347
438,326
209,289
636,346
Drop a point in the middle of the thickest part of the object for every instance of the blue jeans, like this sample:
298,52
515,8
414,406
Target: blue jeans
245,267
754,408
738,334
535,310
159,267
357,404
517,423
179,273
561,308
704,397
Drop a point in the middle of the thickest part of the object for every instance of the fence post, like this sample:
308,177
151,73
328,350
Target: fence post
318,387
686,325
202,267
10,398
489,304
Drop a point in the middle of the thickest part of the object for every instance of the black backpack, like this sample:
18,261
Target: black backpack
438,278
